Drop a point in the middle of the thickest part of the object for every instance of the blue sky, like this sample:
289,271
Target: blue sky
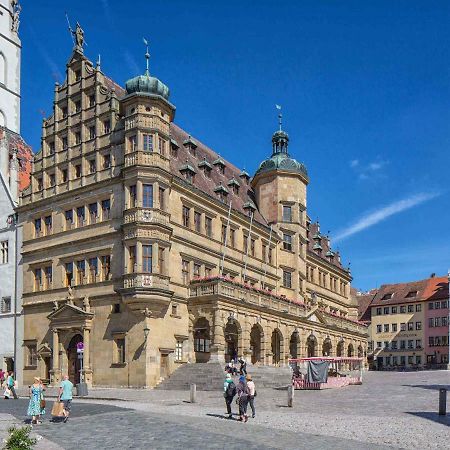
364,87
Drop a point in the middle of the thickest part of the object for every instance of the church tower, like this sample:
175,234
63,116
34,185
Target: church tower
280,190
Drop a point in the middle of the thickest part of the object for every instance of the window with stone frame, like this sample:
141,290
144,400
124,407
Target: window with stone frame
77,170
208,226
418,325
48,277
287,241
77,135
69,219
6,305
264,252
185,272
65,142
208,272
287,213
162,146
232,238
410,326
91,100
38,227
106,209
386,328
223,234
410,308
92,133
31,354
106,160
147,140
48,225
133,195
81,216
119,350
287,279
39,183
38,279
93,269
106,126
51,148
197,221
147,195
378,328
132,143
69,274
403,326
147,258
186,216
81,271
394,327
92,165
106,267
252,247
51,179
64,176
4,249
197,268
93,211
270,255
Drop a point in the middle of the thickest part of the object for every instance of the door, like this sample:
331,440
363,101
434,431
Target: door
48,366
74,370
164,368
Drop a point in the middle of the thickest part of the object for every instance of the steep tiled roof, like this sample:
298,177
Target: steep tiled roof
119,90
400,293
24,155
209,185
364,305
436,289
325,247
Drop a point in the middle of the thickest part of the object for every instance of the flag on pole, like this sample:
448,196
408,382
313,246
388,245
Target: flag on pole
278,107
145,41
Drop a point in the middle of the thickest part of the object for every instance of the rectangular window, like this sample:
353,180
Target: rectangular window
92,132
232,238
208,226
418,343
394,310
64,175
80,216
418,325
92,166
51,179
69,219
410,360
179,351
223,234
81,271
132,143
92,213
431,305
132,259
287,214
386,328
403,327
77,137
402,309
37,279
394,345
106,209
418,360
444,321
197,268
386,344
93,269
64,112
186,214
270,255
197,221
91,100
147,258
418,307
437,305
185,272
48,277
402,360
379,311
174,151
410,344
106,126
410,326
133,196
162,204
444,304
394,327
5,252
106,161
40,185
287,241
51,148
6,305
37,227
410,308
287,279
402,345
147,199
378,328
386,310
120,350
431,322
162,146
31,355
69,274
208,271
106,267
148,142
77,170
48,225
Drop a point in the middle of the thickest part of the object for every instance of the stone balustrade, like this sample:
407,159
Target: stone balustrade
146,215
145,281
150,159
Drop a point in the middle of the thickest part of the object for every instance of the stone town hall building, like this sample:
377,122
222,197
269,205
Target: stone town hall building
152,250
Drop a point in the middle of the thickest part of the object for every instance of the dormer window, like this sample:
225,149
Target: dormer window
191,145
387,296
206,167
222,192
249,207
317,248
234,184
220,164
188,172
174,148
411,294
244,176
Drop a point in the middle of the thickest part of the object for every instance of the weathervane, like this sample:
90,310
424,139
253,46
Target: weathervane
280,116
147,56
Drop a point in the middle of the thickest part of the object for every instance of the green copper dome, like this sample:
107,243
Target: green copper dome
146,84
280,159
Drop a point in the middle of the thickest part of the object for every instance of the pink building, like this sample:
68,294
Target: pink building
436,297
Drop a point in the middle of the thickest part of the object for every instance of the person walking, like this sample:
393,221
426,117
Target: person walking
243,366
229,391
243,394
65,395
252,394
10,384
36,406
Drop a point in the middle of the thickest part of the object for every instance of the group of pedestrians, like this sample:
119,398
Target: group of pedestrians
8,383
245,393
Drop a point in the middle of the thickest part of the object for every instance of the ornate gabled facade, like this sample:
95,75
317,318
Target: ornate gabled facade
174,254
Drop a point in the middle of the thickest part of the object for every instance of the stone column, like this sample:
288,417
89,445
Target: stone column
56,372
87,371
218,347
247,353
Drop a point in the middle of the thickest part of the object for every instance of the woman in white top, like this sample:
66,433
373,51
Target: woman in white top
251,398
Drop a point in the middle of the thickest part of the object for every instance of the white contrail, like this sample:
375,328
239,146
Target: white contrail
372,218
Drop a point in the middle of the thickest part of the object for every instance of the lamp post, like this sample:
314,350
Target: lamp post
146,332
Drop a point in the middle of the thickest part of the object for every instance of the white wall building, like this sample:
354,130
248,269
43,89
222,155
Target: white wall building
10,145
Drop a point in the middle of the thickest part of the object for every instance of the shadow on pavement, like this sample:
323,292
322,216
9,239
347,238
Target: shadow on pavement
433,387
435,417
220,416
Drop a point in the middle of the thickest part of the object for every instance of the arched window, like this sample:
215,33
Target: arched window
2,69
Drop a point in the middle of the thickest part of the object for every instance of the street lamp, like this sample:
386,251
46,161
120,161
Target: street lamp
146,332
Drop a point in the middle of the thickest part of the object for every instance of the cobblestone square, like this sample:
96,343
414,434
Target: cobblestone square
390,410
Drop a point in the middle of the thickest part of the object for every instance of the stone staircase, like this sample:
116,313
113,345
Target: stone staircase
210,377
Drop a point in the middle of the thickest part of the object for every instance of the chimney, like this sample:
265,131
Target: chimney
433,275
